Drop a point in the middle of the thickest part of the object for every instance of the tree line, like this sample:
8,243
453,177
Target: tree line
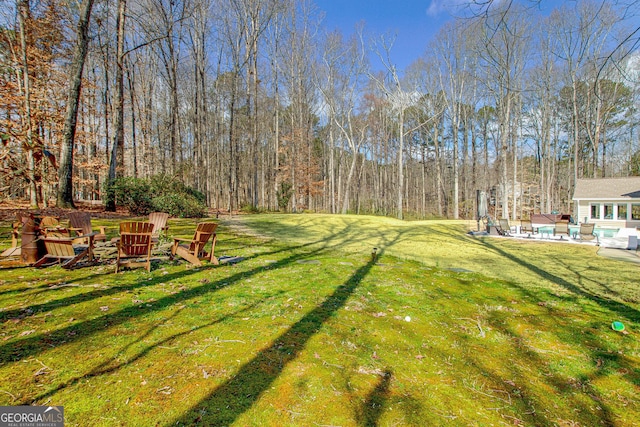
258,106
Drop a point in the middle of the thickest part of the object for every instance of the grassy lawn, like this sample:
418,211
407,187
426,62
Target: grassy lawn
442,329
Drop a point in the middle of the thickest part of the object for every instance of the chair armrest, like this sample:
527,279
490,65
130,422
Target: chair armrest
180,239
89,236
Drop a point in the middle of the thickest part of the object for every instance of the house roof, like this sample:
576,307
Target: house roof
607,188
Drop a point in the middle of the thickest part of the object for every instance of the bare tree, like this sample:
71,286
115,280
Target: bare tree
118,140
456,80
579,34
503,35
345,68
65,174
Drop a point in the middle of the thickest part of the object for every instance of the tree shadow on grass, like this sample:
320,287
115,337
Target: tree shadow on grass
35,344
234,397
107,366
371,411
621,309
111,290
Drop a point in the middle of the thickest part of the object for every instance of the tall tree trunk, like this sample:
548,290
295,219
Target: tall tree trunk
23,15
65,173
400,163
118,141
456,172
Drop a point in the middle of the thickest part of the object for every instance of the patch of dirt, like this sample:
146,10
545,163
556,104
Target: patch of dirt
236,225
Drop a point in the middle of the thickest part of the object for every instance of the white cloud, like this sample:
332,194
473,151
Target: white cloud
438,7
455,7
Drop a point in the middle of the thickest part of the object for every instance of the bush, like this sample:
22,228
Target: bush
284,194
134,194
180,204
158,193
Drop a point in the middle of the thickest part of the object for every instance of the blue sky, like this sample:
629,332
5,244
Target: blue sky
415,22
410,20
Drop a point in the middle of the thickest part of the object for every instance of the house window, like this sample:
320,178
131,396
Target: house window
622,212
608,211
635,212
595,210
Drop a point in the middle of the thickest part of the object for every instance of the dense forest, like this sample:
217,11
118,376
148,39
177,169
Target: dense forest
258,106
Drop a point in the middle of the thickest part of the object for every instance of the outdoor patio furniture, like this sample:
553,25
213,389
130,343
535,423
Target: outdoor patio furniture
134,244
625,238
160,227
527,227
193,251
63,249
50,227
561,229
80,222
503,227
15,250
586,232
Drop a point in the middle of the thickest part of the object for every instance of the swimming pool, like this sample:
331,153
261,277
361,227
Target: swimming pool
598,231
547,230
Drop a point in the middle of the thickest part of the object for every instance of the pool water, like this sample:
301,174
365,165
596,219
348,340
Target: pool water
598,231
574,229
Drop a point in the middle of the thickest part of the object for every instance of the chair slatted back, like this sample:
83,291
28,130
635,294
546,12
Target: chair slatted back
134,244
80,221
49,221
136,227
135,238
159,221
203,233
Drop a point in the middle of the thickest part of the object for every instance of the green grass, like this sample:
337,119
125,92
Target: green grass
307,330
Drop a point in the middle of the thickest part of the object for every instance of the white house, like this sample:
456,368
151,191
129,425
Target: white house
608,202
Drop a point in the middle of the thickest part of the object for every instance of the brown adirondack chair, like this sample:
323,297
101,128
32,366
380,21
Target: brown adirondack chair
134,244
63,249
193,251
50,227
160,227
80,222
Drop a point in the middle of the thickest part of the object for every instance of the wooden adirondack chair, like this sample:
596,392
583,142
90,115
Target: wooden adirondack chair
193,251
135,243
160,227
50,227
63,249
80,222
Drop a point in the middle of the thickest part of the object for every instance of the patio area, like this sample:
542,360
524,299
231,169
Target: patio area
619,244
